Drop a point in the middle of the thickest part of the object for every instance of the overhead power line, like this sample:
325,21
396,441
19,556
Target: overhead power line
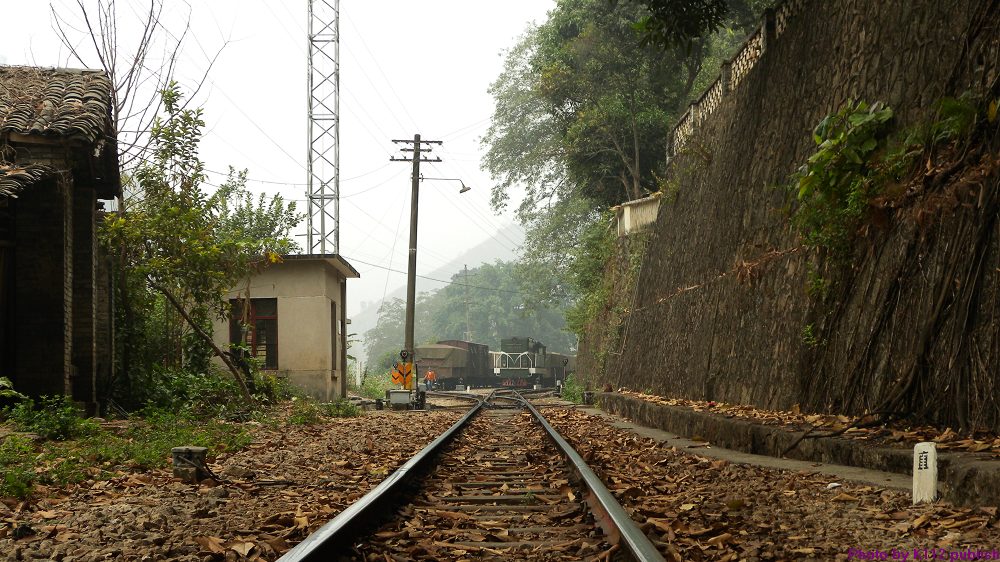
301,184
456,283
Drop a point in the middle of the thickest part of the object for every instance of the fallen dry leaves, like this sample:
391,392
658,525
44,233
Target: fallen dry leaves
896,434
696,508
286,484
501,492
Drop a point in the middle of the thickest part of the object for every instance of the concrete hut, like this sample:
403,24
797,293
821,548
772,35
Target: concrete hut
292,318
58,156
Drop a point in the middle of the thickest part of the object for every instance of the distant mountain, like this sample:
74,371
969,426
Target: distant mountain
487,252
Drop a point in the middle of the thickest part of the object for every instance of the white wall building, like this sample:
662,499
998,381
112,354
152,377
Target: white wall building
295,323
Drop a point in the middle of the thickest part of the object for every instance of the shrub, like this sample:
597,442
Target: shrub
573,390
304,412
342,409
54,417
16,456
7,390
202,395
273,389
374,385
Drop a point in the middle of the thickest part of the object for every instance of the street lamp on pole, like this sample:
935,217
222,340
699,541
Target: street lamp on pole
464,187
408,354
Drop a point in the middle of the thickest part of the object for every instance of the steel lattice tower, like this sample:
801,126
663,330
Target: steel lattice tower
323,183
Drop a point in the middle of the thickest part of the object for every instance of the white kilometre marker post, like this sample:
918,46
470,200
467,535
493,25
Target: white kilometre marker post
924,472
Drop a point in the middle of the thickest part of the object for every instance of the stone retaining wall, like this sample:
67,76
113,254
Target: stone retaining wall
721,311
968,479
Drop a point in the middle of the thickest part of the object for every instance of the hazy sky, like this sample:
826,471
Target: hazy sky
406,67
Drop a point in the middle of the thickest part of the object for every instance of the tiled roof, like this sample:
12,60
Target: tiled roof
14,178
67,103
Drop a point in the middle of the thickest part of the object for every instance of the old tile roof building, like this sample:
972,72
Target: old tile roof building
58,156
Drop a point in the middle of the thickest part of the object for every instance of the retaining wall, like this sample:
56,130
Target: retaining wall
721,304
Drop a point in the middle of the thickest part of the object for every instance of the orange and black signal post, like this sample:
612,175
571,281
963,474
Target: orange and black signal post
417,147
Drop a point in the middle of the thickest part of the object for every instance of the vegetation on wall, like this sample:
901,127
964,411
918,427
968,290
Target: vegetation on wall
859,169
867,184
837,182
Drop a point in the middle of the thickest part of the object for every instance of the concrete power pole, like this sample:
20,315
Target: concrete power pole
418,147
468,323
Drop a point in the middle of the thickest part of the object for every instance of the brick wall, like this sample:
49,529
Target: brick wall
43,288
103,319
84,250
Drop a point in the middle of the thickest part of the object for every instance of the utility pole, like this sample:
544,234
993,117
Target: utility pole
418,147
468,323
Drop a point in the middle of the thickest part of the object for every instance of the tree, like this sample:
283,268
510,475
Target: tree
140,61
385,340
488,301
140,65
189,246
580,110
583,111
681,23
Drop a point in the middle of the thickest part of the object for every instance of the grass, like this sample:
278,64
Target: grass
304,412
307,412
96,453
70,449
16,455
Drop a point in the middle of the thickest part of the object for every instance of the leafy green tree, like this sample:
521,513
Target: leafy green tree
583,111
484,305
681,23
580,124
385,340
189,246
489,302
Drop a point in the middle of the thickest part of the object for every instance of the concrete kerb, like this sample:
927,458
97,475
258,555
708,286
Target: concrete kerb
966,478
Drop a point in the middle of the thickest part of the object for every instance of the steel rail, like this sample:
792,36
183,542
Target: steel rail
455,395
610,515
335,536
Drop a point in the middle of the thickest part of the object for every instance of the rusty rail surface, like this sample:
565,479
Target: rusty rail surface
339,536
610,515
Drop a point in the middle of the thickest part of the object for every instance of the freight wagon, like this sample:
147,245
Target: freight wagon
455,362
521,362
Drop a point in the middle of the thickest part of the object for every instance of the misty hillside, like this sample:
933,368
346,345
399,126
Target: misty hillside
487,252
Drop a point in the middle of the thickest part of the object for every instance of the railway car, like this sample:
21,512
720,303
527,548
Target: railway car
523,362
561,366
455,362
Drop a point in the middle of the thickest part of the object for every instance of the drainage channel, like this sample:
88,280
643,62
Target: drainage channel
500,484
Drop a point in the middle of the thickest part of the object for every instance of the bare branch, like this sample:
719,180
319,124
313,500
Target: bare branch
137,78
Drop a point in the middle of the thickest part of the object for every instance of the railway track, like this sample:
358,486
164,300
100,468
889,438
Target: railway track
500,484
